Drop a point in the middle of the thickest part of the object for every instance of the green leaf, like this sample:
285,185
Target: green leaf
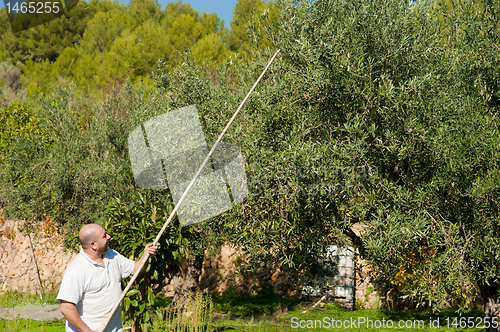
151,297
132,292
126,303
159,313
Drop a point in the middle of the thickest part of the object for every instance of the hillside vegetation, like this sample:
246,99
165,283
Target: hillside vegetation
100,44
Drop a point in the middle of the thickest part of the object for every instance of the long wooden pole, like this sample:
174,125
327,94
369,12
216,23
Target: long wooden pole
165,225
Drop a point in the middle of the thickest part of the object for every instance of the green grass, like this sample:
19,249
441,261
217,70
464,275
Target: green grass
279,321
11,299
29,325
314,320
264,303
267,312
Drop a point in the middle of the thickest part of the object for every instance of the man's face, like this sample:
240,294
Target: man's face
102,242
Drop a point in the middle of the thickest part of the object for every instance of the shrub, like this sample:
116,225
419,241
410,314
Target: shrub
131,228
71,159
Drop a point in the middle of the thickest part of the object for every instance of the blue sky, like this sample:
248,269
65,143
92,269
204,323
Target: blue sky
223,8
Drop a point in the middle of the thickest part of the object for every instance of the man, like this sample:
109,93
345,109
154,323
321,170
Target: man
92,282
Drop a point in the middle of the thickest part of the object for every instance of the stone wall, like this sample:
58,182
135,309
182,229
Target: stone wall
17,269
218,276
18,272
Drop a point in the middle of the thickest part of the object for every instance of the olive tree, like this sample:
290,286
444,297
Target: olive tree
380,114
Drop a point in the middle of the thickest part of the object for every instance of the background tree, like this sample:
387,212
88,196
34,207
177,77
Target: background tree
4,26
144,10
210,48
103,29
248,23
108,42
45,41
10,82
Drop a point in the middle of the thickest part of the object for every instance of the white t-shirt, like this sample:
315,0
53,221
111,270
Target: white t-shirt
95,288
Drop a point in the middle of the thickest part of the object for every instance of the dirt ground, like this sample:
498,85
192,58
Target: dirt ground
49,312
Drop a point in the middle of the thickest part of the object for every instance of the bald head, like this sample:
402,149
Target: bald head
89,233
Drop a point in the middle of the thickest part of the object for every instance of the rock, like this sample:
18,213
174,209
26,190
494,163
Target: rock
226,251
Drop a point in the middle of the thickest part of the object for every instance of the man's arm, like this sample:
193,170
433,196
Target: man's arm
69,311
149,249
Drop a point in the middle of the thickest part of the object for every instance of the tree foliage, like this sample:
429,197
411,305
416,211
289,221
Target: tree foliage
102,41
381,115
45,41
84,165
10,82
18,122
248,25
